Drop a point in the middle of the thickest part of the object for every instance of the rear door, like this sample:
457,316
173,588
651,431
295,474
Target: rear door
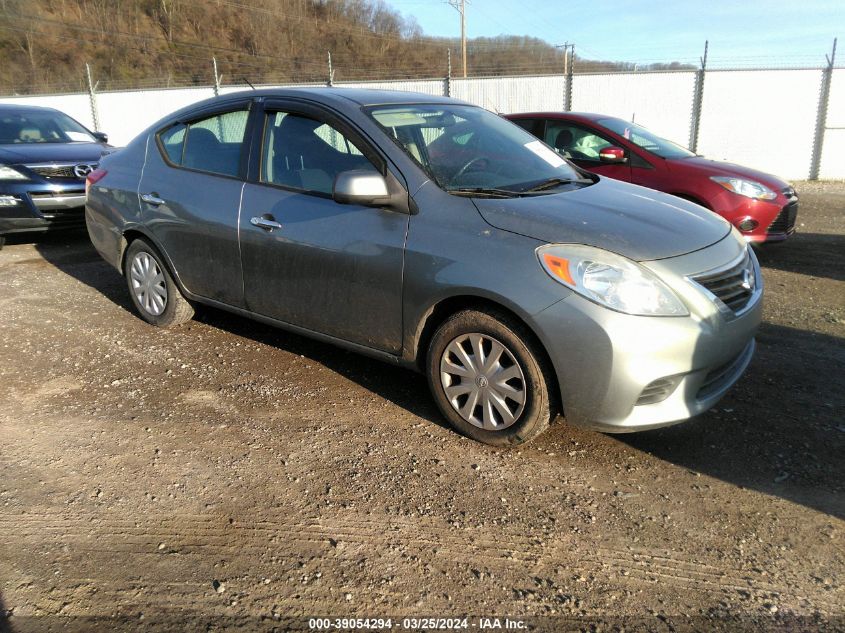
307,260
190,193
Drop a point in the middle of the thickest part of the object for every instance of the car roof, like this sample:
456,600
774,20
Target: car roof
584,116
13,107
330,96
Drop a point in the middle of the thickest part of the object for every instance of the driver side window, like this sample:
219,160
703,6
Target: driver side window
307,154
573,141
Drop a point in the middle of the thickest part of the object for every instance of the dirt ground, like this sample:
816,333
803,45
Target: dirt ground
226,475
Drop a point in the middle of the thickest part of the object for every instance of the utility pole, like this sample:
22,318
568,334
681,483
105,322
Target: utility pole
565,46
331,71
568,65
460,7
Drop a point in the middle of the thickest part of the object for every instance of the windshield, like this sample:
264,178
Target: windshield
41,126
638,135
466,147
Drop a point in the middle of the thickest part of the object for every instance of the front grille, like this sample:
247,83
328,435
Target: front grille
53,194
733,286
58,214
723,376
785,220
59,171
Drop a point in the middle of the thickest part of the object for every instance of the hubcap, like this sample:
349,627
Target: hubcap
148,284
482,381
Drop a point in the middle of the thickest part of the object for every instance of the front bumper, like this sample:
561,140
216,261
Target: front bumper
40,207
775,220
609,365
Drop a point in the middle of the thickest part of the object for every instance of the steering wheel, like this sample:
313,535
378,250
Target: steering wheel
467,165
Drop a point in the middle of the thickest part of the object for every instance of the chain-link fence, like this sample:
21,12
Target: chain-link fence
783,121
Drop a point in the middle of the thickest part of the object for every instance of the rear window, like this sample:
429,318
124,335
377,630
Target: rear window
172,140
213,144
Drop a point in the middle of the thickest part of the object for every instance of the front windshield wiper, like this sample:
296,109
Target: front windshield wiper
555,182
486,192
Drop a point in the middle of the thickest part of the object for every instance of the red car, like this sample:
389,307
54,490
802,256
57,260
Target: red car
763,207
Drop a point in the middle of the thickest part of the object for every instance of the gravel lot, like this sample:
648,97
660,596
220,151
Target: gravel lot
226,475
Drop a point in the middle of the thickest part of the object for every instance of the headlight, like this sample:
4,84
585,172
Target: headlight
610,280
7,173
747,188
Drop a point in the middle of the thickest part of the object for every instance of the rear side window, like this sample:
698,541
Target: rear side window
173,140
529,125
213,144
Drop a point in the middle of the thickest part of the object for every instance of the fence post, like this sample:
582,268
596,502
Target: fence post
330,82
697,101
92,97
821,116
570,67
216,77
447,84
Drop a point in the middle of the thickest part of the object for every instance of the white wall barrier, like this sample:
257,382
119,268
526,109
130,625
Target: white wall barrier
759,118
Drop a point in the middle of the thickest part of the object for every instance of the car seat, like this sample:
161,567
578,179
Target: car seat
563,141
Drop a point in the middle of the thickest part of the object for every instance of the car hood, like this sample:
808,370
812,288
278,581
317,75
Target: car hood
24,153
639,223
710,167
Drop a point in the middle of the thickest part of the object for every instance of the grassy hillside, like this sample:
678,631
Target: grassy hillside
44,44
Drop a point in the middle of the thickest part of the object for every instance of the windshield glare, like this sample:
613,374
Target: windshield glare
41,127
466,147
640,136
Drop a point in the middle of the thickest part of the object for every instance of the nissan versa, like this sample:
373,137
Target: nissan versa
763,207
44,159
438,236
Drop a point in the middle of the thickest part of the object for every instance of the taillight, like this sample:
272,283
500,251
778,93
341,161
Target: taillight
94,177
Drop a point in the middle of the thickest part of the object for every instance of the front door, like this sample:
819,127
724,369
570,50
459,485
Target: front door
308,260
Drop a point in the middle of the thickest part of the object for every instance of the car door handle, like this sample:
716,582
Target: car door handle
264,222
151,198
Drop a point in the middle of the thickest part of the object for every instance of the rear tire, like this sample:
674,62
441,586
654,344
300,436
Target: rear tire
155,296
489,379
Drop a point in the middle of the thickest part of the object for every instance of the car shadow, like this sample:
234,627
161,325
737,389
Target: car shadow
813,254
403,387
74,255
5,625
780,429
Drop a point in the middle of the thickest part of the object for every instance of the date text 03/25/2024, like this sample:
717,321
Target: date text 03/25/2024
416,624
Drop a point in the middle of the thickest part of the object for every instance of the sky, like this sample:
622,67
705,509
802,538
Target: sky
781,32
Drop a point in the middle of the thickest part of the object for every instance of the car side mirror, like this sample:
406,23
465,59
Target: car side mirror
360,186
101,136
612,155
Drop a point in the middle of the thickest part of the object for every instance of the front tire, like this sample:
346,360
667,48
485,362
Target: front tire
155,296
489,379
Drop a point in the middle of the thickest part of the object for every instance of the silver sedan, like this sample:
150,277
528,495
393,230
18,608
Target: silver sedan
438,236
